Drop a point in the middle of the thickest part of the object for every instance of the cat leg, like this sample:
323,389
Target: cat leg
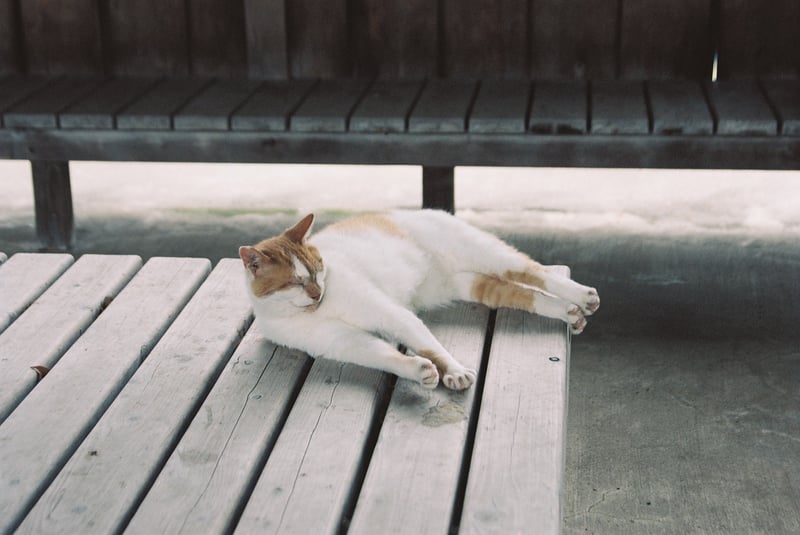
539,276
498,292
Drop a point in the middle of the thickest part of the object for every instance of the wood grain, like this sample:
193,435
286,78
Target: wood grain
41,109
386,106
442,107
501,107
559,108
155,109
271,105
785,96
741,108
25,277
266,39
679,108
97,110
619,108
212,108
318,38
10,54
218,39
41,335
41,434
328,106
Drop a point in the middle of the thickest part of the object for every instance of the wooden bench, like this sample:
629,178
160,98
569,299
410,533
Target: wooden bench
609,83
163,411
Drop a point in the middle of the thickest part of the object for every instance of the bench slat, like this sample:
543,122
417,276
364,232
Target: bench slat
327,108
308,478
24,278
269,108
41,434
417,460
41,109
154,109
559,108
96,110
55,320
102,482
516,473
500,107
442,107
785,94
206,478
386,106
618,107
212,108
679,107
742,109
14,89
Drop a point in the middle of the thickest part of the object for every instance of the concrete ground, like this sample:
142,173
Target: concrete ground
684,411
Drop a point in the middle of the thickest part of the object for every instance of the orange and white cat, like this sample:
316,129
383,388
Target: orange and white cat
351,292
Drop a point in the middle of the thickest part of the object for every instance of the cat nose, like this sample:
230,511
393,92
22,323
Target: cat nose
314,291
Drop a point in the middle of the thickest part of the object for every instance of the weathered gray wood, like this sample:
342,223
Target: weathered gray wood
9,41
438,188
516,472
442,107
416,464
101,484
269,108
55,320
211,109
306,484
217,38
318,39
785,95
386,106
741,109
559,108
265,27
41,109
328,107
15,88
154,109
52,198
97,109
679,107
213,467
618,108
41,434
24,278
501,107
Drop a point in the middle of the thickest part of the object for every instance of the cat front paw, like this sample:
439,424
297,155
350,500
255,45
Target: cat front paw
590,302
576,319
425,372
459,379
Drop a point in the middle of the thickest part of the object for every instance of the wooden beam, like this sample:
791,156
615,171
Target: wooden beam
438,188
53,204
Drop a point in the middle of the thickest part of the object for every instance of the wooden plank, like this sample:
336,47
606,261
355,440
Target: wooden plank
485,39
41,434
9,37
559,108
785,95
741,109
318,38
438,188
14,89
103,481
269,107
56,319
386,106
154,109
679,108
24,278
501,107
417,460
759,39
666,40
266,38
328,107
619,108
211,109
306,484
41,109
52,201
148,37
62,37
517,468
394,38
218,41
208,476
97,109
573,39
442,107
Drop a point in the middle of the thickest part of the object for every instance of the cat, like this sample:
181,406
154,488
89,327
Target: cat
351,292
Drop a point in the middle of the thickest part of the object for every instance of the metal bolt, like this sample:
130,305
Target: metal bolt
554,359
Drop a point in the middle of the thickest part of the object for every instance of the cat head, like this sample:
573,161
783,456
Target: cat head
286,269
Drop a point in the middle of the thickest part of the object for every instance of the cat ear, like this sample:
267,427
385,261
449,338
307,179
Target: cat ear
252,258
301,230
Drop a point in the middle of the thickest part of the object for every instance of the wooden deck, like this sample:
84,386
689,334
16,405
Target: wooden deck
164,412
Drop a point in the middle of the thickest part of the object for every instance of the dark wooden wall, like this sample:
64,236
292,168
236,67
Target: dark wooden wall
585,39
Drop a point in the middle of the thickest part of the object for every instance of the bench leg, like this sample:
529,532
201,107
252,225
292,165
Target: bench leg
438,188
53,203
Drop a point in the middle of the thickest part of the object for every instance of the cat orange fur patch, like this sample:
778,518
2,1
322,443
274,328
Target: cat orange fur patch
369,222
280,250
438,360
525,277
495,292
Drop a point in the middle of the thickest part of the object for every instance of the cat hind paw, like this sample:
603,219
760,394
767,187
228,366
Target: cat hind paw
459,379
576,319
590,302
426,373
